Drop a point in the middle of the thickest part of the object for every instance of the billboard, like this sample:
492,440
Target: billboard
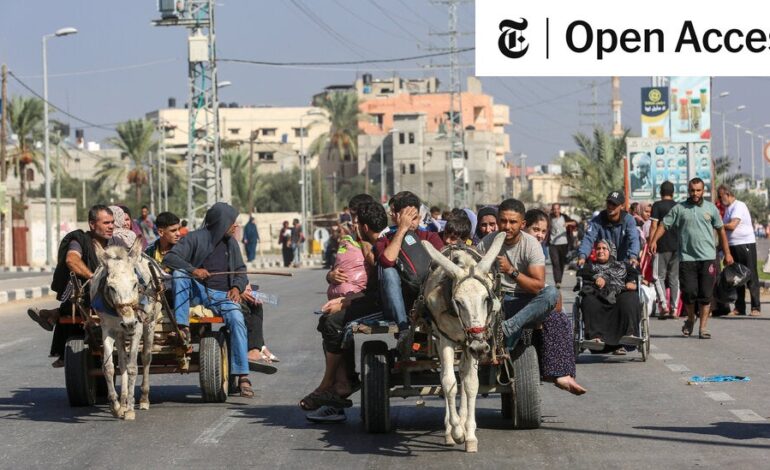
652,161
690,99
655,113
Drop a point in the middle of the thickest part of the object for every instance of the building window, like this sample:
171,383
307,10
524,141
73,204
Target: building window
411,137
269,132
30,172
234,130
401,138
266,156
479,186
403,169
411,168
300,132
379,119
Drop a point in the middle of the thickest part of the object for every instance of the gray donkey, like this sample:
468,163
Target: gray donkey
126,299
462,319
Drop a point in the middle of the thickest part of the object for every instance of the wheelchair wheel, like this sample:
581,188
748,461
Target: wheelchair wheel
577,321
645,332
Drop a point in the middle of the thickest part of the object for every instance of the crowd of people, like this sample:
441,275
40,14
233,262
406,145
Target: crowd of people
377,271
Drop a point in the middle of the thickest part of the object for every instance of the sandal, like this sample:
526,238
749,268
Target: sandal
58,363
315,400
34,314
704,334
262,365
268,354
755,313
244,385
687,328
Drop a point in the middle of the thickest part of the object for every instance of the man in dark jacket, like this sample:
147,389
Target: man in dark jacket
616,225
250,239
76,255
213,249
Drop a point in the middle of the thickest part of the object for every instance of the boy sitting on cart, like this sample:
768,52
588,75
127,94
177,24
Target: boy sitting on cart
213,249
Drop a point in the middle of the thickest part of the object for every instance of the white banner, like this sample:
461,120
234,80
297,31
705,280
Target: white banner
609,37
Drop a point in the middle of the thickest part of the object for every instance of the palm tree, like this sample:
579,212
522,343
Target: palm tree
341,140
238,163
26,119
596,169
135,139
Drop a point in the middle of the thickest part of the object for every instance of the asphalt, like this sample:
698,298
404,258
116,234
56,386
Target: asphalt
635,415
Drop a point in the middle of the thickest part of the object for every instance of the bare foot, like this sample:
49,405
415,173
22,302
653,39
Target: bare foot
254,355
569,384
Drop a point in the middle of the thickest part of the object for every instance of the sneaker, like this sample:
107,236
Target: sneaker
327,414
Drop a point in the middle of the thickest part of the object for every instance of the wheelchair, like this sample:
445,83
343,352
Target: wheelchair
580,341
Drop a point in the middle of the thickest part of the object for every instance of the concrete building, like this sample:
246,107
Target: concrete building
274,134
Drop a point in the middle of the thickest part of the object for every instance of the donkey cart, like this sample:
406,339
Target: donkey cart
384,376
207,355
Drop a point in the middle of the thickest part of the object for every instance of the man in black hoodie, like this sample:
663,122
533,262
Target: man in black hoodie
213,249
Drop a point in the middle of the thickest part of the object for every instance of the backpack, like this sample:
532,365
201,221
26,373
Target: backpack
413,262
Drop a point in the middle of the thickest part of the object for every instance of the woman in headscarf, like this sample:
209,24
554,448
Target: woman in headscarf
642,214
610,303
487,222
122,235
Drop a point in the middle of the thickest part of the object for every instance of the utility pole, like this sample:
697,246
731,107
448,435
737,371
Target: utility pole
204,162
252,137
457,177
3,166
593,112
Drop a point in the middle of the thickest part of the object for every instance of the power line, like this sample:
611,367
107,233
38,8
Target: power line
106,70
367,22
72,116
558,97
348,62
318,21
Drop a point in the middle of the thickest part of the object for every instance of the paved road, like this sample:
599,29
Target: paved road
636,415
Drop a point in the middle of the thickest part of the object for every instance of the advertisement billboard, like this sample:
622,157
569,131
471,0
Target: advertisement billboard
655,113
651,162
690,99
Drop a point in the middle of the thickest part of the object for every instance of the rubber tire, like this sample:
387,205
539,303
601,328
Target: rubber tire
506,405
78,361
214,368
645,347
375,387
525,399
576,324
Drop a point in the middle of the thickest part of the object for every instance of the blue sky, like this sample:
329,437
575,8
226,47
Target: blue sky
118,34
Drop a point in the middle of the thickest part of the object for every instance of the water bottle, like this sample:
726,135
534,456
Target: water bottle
269,299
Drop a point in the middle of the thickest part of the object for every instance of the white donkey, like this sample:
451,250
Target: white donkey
124,285
462,318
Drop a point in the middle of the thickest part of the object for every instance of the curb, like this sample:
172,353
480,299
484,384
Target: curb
21,294
26,269
279,264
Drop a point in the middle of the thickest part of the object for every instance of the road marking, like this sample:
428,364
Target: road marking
678,367
212,434
662,357
719,396
13,343
747,415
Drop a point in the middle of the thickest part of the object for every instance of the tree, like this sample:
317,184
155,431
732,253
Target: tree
25,116
340,142
238,163
136,140
596,169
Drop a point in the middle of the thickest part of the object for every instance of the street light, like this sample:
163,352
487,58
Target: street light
59,33
724,114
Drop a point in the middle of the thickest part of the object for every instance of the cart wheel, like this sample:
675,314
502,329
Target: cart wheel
576,329
214,368
375,390
525,399
645,347
78,362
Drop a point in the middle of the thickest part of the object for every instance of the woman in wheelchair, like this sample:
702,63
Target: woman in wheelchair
610,302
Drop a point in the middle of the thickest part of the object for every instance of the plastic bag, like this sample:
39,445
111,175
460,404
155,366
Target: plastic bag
736,275
350,259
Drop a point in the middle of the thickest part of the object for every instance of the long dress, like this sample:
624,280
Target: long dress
607,320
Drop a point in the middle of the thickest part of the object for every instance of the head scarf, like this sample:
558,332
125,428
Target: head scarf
121,235
613,272
484,211
472,217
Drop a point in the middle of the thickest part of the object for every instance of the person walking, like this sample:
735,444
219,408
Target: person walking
695,221
665,263
613,224
284,239
559,241
743,247
297,241
250,239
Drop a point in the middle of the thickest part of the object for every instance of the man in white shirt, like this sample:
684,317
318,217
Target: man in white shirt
743,247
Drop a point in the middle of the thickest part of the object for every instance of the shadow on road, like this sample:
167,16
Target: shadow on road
49,404
728,430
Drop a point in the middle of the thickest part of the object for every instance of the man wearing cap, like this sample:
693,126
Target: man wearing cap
616,225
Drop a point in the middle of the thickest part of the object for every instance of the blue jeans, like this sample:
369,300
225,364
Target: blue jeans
393,306
188,291
526,310
297,248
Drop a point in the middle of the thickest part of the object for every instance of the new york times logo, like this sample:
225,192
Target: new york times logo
511,42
